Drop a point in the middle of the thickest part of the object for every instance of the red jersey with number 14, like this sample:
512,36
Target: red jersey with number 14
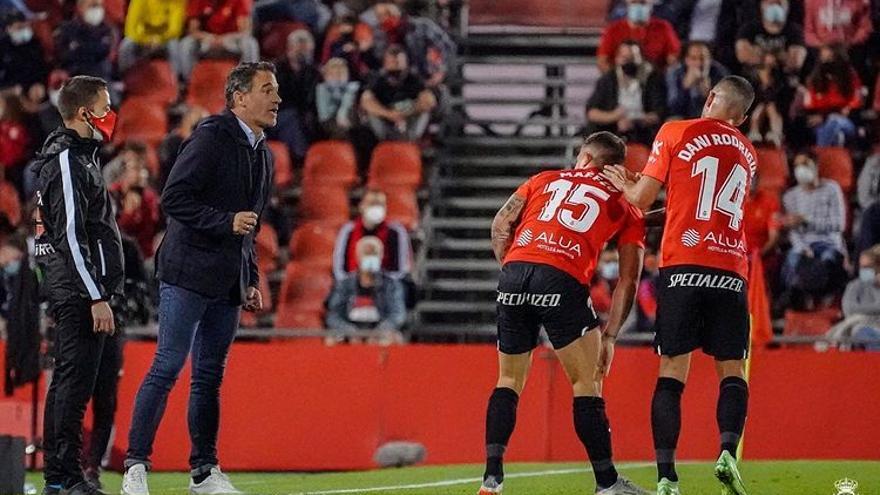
568,217
708,167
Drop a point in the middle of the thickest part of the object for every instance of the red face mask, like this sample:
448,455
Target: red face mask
104,125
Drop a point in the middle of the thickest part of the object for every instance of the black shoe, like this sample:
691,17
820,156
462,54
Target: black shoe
51,490
82,488
93,476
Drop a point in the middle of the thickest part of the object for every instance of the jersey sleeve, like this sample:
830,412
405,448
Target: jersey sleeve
661,154
525,189
633,231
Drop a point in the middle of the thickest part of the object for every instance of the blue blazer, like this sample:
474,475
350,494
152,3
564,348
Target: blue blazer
217,174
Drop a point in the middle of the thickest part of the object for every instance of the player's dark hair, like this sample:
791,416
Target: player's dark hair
741,89
610,149
242,78
78,92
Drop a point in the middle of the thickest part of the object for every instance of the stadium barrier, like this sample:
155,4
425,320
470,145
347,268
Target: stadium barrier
298,405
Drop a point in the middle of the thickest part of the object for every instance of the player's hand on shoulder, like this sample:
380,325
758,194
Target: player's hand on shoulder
617,175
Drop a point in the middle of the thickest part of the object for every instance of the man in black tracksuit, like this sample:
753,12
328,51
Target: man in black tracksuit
80,251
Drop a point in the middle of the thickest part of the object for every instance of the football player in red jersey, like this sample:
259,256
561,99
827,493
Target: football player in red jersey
707,166
548,237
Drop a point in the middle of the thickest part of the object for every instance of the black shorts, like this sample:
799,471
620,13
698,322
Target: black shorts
705,308
531,295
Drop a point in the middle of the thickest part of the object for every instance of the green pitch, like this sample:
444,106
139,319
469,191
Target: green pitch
762,478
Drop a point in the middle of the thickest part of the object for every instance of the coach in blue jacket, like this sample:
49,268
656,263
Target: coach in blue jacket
207,269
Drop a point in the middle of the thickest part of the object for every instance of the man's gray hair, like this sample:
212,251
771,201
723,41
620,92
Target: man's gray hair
242,78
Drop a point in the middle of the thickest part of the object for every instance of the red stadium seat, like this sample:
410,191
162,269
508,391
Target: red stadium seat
303,291
809,322
313,243
142,120
330,162
772,169
636,156
207,84
283,164
835,162
273,37
326,203
403,207
396,163
267,248
153,80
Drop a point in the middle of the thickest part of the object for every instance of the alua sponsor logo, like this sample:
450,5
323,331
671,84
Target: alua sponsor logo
557,242
692,238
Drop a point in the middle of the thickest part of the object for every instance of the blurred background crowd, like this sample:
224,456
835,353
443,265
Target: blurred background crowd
366,97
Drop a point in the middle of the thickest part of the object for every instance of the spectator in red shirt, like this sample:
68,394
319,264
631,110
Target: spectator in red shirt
217,28
837,21
833,91
137,205
660,45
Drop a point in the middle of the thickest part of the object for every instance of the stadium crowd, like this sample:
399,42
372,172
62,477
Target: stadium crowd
354,73
350,73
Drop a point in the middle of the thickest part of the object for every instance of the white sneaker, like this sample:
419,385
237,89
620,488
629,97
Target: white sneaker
215,484
134,481
623,486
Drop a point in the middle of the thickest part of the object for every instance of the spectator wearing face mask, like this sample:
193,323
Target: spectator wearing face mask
367,298
833,92
861,303
688,84
774,33
396,247
336,97
630,100
429,48
22,63
657,36
815,216
397,102
602,285
298,78
84,45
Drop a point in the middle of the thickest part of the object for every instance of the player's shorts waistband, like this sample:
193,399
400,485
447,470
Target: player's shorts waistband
701,276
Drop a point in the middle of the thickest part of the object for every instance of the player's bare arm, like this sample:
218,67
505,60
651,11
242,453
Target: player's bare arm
640,193
504,224
630,260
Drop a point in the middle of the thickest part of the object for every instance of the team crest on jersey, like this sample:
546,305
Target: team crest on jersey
525,237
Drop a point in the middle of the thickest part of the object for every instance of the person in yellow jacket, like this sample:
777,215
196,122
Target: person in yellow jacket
152,30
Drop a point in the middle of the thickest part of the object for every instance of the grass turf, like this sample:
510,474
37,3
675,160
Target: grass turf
762,478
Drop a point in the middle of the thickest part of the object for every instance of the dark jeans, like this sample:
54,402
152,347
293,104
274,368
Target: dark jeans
189,323
77,355
104,401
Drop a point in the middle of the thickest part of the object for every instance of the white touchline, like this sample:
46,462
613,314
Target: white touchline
463,481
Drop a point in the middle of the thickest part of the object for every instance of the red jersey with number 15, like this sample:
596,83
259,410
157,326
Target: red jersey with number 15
568,217
708,167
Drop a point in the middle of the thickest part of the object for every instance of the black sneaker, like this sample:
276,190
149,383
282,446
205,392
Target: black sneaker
82,488
51,490
93,476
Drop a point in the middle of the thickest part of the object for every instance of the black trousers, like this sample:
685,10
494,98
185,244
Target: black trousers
104,400
78,352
